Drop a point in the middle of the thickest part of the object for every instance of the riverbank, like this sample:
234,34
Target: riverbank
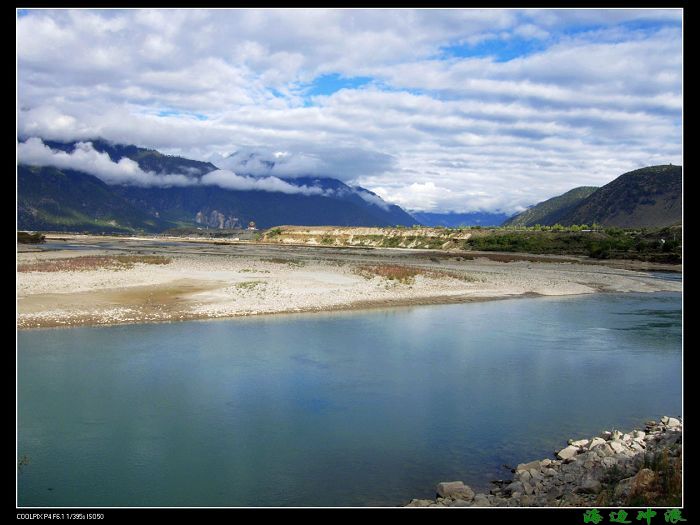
614,469
97,281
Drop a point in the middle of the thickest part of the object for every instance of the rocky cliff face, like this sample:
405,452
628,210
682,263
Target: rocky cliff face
216,219
617,469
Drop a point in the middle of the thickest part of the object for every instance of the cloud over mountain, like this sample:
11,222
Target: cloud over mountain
459,110
125,171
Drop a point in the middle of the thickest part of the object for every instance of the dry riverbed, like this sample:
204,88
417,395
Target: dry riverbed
114,281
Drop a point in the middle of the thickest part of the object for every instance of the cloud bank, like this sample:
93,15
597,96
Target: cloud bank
87,159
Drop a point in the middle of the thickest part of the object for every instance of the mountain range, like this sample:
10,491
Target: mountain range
67,199
60,199
649,197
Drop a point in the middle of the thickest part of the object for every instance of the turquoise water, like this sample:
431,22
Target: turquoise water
343,409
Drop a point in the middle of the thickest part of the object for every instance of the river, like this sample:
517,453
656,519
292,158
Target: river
367,408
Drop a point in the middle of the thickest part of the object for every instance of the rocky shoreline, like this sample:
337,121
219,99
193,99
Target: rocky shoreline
641,467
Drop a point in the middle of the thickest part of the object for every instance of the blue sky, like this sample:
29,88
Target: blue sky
437,110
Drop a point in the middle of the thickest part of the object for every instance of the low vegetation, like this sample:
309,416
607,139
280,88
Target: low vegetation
250,285
659,483
30,238
662,245
407,274
92,262
289,262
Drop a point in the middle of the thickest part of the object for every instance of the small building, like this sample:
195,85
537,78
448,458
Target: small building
251,225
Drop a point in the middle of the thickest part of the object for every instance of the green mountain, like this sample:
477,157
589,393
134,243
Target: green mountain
68,200
551,211
649,197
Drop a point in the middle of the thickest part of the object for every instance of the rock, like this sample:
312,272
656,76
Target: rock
589,486
524,476
549,472
616,435
480,500
545,462
568,452
644,479
535,474
626,437
608,462
527,488
513,488
606,435
528,466
579,443
639,482
664,420
595,442
420,503
616,446
673,422
455,488
639,434
461,503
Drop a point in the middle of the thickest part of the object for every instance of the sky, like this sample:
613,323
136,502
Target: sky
435,110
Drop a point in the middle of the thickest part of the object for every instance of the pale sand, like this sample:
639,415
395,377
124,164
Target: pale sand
202,282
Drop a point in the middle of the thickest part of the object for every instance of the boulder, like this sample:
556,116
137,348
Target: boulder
617,446
513,488
595,442
535,474
420,503
579,443
455,488
568,452
480,500
589,486
528,466
673,422
608,462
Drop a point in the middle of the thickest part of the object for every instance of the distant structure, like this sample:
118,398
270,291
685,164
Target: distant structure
251,225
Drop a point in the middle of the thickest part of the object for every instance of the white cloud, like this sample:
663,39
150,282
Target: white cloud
88,160
230,181
372,198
